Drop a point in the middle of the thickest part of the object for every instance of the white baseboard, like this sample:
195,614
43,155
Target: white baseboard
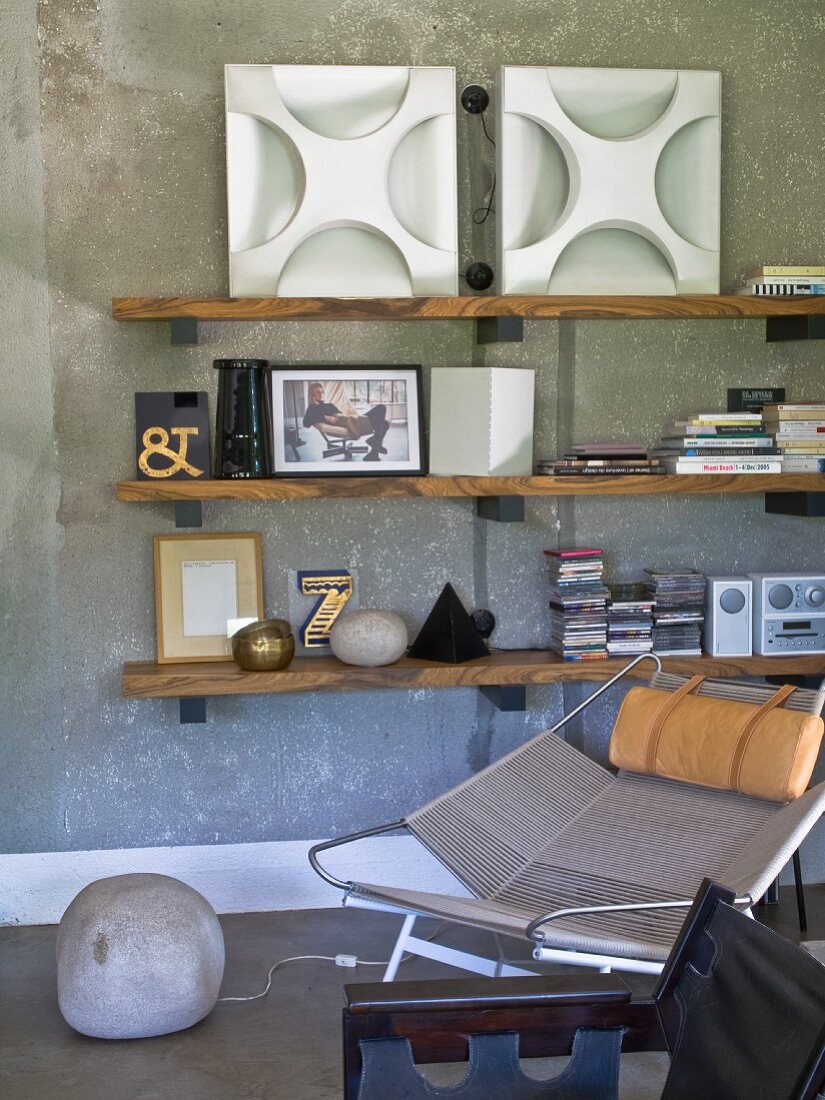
234,878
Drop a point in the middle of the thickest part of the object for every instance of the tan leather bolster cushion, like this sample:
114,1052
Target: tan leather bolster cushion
699,737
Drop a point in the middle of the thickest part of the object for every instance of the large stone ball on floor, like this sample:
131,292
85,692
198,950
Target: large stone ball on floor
138,955
369,638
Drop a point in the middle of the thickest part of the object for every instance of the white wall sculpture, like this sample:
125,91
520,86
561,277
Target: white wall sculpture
341,180
609,181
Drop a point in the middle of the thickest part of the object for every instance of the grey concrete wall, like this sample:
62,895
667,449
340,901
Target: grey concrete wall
132,144
32,766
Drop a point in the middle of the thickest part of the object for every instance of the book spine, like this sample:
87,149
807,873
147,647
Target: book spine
727,431
806,465
726,444
784,280
798,428
716,451
606,471
583,463
782,290
786,270
722,420
726,467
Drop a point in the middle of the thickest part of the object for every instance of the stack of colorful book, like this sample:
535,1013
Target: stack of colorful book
678,612
780,280
799,431
629,619
578,598
599,459
719,443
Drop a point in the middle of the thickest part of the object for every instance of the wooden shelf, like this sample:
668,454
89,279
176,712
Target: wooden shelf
534,307
315,488
152,681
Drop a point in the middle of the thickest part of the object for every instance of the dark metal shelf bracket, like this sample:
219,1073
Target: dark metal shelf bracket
500,330
188,513
192,711
805,327
501,509
795,504
183,330
506,697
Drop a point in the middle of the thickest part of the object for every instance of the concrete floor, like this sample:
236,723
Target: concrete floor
286,1047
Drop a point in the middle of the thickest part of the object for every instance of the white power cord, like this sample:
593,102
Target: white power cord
339,960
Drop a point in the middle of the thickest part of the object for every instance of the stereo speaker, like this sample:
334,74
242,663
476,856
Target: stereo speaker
728,616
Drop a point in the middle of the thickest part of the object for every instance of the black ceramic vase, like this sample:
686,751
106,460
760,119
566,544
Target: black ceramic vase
243,434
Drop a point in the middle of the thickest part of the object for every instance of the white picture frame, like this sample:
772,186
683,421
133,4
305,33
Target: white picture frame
347,421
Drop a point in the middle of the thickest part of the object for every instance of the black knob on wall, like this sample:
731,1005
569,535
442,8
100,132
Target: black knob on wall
479,276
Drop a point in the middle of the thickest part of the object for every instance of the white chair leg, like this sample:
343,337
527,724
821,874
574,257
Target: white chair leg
398,950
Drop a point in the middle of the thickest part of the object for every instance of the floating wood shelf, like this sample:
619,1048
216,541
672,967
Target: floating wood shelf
152,681
315,488
532,307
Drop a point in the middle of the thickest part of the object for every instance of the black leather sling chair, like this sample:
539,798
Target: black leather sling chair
740,1009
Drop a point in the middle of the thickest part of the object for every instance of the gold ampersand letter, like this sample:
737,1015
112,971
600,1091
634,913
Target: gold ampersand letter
156,442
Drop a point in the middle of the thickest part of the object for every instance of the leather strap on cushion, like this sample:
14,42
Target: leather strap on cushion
661,717
748,730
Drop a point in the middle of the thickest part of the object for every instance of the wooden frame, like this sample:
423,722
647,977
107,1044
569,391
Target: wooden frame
171,555
437,1016
287,439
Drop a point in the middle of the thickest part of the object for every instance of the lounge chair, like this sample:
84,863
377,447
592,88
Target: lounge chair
340,443
585,866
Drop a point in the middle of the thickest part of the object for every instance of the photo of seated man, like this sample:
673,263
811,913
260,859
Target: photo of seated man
331,419
323,414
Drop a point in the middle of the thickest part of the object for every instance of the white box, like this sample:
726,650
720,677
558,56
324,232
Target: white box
481,421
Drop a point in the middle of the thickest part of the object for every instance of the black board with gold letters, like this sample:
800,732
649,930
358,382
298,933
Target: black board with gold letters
172,436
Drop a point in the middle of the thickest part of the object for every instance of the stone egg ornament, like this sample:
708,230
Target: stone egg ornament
138,955
369,638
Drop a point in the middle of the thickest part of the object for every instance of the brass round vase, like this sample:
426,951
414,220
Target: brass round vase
264,646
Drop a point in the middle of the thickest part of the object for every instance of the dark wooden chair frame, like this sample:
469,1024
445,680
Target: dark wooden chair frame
438,1016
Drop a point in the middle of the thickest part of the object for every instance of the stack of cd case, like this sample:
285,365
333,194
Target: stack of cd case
629,619
578,604
678,614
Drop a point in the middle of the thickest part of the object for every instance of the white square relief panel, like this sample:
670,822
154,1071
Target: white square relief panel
609,181
341,180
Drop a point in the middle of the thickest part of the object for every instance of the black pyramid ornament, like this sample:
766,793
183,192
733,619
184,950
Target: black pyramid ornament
449,633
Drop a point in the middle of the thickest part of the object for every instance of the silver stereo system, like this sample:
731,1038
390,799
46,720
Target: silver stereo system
728,613
788,613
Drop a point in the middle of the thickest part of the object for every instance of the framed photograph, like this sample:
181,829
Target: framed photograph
202,583
347,421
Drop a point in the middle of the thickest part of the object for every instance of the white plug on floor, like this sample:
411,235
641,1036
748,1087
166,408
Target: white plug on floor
346,960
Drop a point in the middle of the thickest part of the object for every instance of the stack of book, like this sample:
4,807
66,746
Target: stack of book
719,443
799,431
598,459
678,612
629,619
784,279
578,598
